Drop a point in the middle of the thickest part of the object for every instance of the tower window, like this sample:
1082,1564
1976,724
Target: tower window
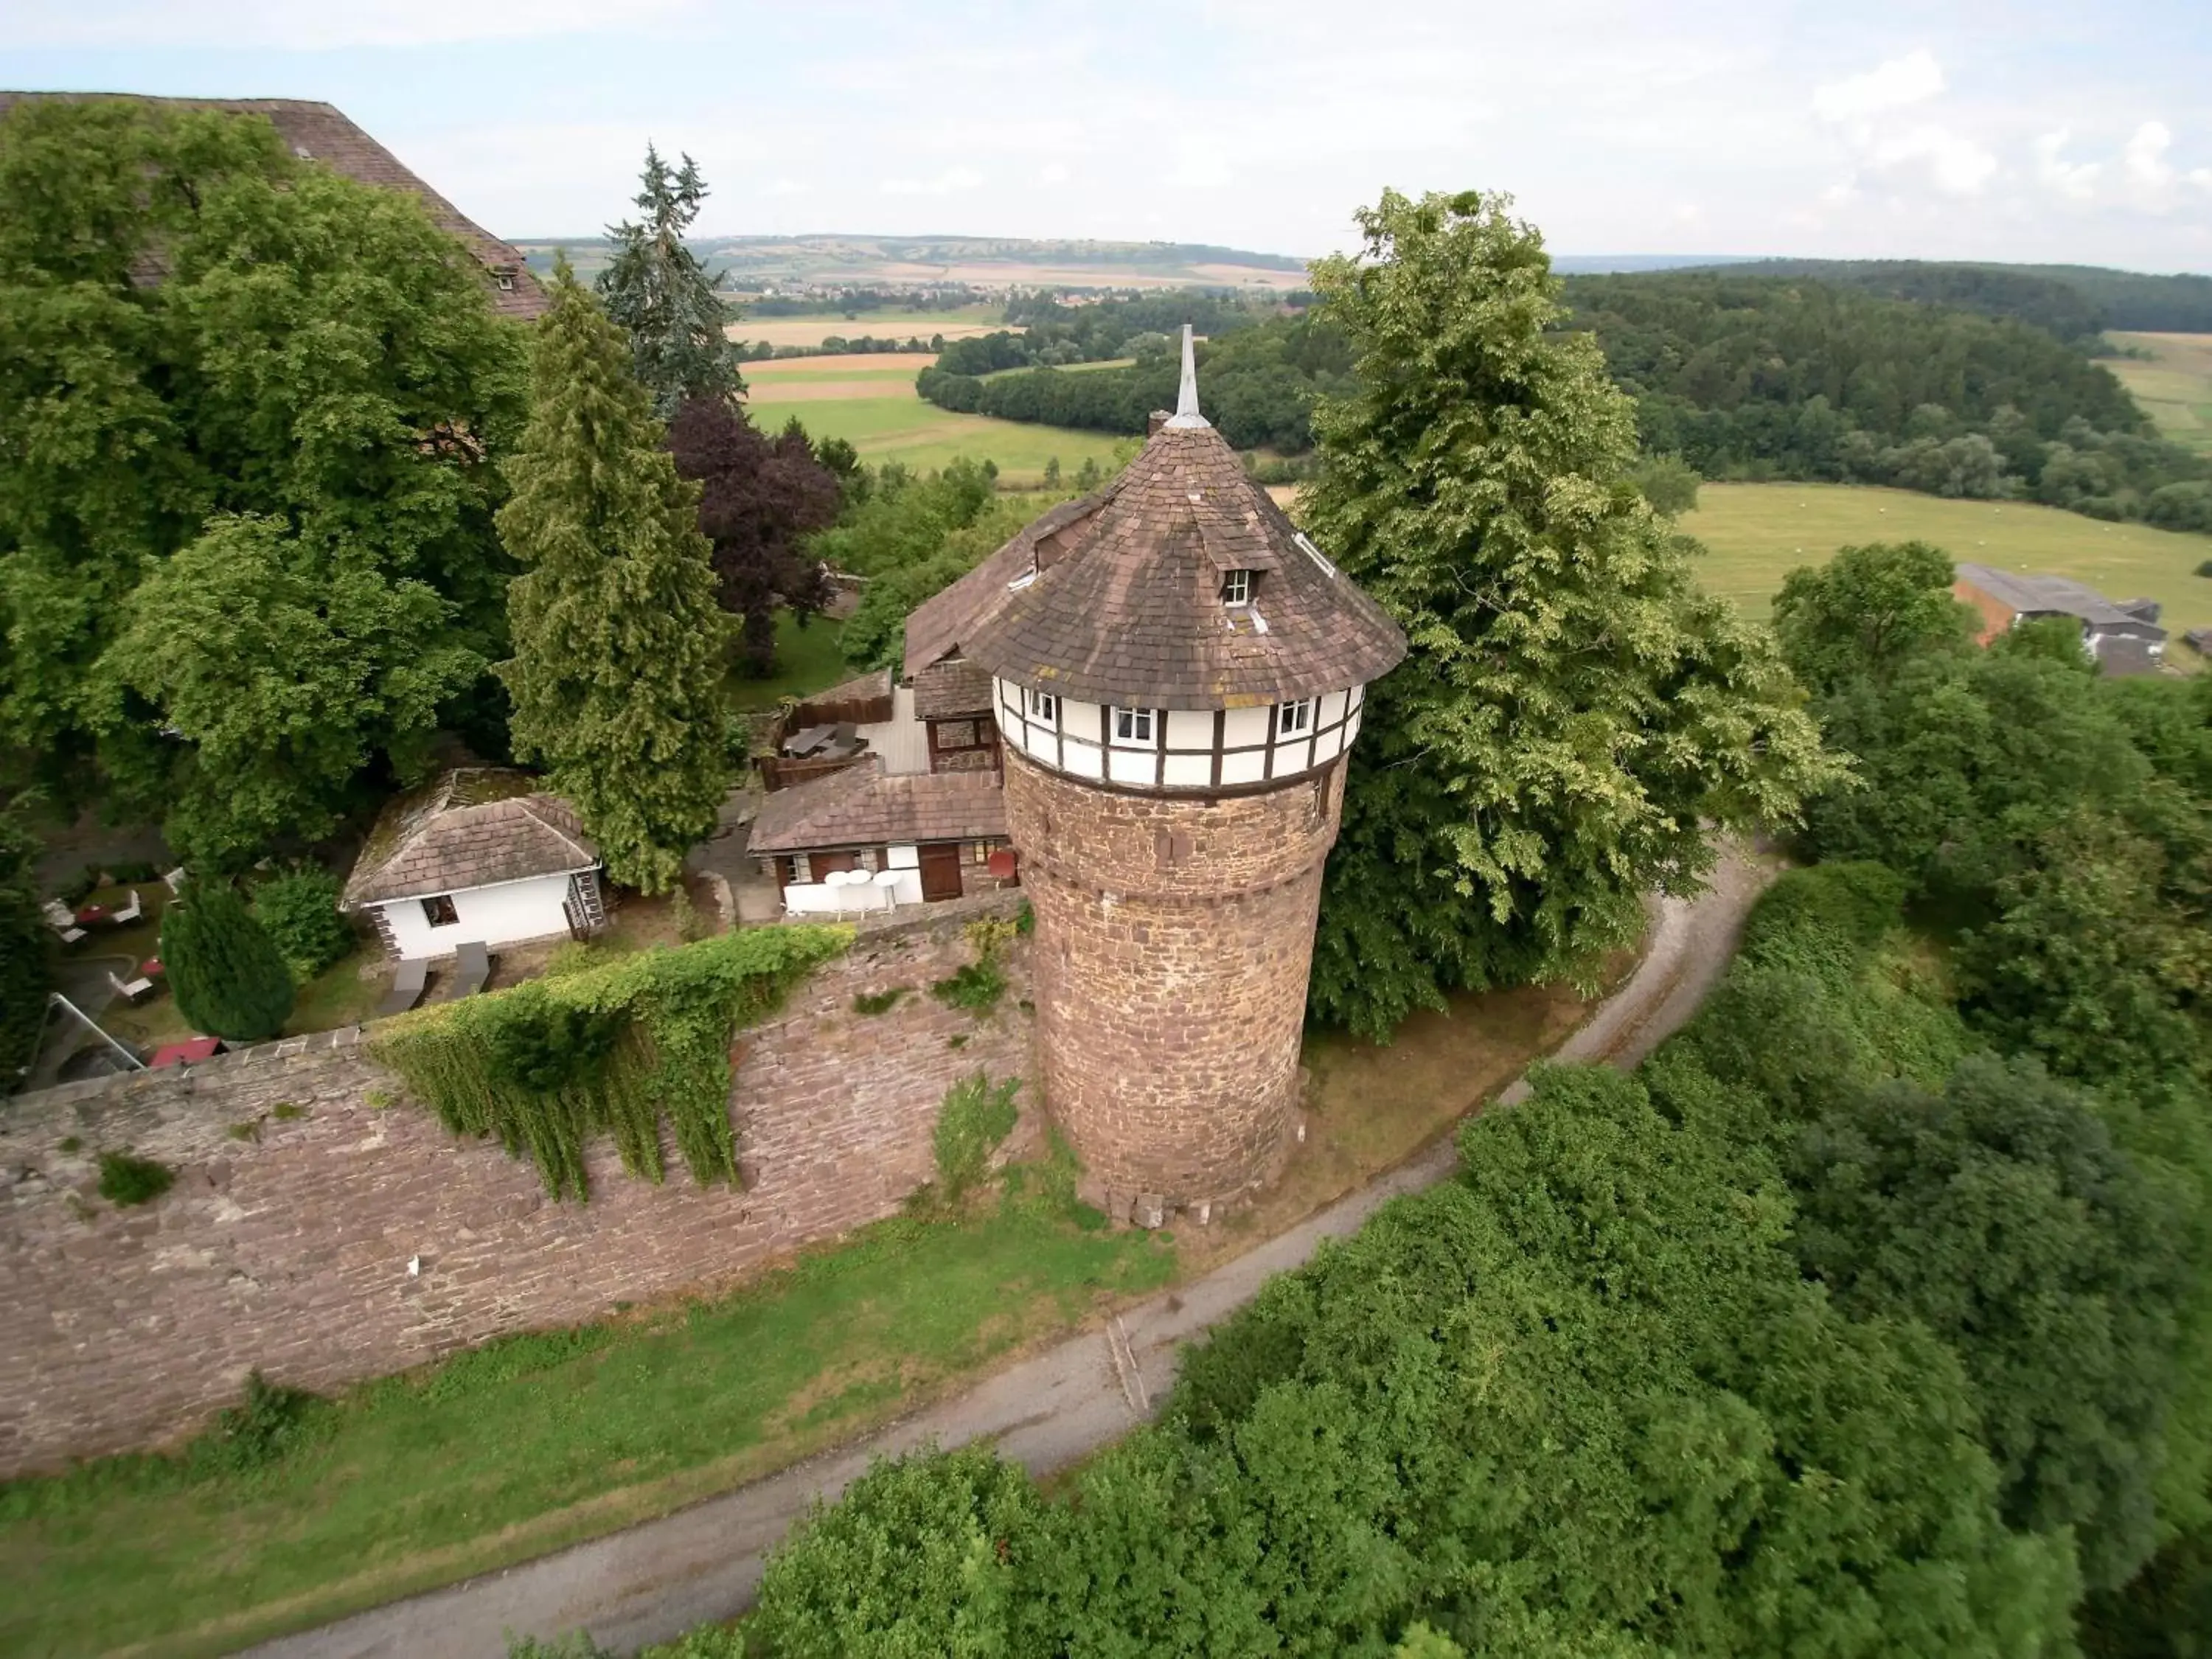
1237,587
1294,719
1132,724
1043,706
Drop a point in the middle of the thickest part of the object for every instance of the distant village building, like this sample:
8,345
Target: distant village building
2124,637
320,132
482,856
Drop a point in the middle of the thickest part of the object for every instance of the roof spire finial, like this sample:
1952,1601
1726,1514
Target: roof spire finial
1187,413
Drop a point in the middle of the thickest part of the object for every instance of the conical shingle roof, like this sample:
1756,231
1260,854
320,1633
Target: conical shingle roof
1120,600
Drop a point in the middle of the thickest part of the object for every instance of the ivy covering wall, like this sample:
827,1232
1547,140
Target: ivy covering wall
614,1047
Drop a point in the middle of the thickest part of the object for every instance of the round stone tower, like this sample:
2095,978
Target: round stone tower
1177,673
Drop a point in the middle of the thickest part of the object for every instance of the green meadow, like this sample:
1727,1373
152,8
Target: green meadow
1756,534
2173,382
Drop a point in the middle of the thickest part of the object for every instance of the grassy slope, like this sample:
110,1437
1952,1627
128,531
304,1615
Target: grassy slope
806,661
890,423
1757,533
2174,386
533,1442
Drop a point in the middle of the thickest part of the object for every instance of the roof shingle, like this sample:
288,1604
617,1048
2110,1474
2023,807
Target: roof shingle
1125,604
473,827
862,807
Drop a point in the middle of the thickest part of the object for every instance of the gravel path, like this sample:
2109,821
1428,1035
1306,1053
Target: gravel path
660,1577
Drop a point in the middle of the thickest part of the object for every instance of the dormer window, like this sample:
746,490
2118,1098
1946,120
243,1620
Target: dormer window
1237,587
1043,706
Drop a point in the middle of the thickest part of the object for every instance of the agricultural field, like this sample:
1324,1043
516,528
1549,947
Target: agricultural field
868,399
2173,383
1755,534
961,323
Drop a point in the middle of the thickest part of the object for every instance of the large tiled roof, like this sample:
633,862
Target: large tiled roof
938,627
1125,605
473,827
2032,594
322,133
950,688
862,807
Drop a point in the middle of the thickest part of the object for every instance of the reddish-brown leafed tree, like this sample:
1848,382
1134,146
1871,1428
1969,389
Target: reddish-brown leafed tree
759,496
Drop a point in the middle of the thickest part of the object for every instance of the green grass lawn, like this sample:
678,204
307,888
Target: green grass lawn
2173,383
806,661
921,435
532,1443
1755,534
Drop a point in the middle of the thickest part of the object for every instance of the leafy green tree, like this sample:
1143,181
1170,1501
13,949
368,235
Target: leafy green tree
1868,610
921,1557
660,295
2000,1215
224,969
299,913
27,949
316,354
1575,717
280,666
617,671
1669,483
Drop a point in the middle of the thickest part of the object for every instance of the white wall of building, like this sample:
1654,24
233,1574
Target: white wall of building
815,898
1181,746
503,914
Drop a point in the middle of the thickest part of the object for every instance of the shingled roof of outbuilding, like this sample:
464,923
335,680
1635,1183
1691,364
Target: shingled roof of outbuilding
322,132
860,806
472,827
1125,606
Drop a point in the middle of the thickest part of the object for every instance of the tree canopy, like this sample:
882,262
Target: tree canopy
1575,714
224,970
617,663
310,390
660,295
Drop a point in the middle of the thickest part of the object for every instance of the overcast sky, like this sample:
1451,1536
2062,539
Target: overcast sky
2079,131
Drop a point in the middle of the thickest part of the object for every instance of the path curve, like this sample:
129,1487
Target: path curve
655,1580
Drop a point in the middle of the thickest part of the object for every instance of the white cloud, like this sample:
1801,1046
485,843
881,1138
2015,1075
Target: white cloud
1912,79
2145,155
307,26
2075,180
1957,165
785,187
947,182
1052,173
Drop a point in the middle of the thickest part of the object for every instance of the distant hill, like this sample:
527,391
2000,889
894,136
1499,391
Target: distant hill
989,263
2075,302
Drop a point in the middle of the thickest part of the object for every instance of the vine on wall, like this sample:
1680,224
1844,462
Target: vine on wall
548,1064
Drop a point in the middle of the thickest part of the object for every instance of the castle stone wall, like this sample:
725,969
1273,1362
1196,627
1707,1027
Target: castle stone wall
285,1246
1173,941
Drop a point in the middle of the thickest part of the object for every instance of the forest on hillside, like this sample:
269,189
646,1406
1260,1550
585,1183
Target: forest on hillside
2075,302
1965,382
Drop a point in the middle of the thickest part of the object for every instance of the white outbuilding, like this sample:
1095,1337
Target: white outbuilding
482,856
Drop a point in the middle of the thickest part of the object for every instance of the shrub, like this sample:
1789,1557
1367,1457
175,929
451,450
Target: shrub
878,1002
299,913
223,968
125,1180
977,1115
269,1422
976,987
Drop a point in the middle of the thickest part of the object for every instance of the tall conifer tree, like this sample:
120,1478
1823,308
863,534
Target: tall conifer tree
1575,713
664,299
617,638
222,967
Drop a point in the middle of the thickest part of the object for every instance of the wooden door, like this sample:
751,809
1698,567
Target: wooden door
940,871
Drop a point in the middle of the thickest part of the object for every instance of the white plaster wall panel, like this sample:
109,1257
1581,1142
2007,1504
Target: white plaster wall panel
1328,745
511,911
1189,771
1251,766
904,858
1247,726
1080,758
1190,728
1332,707
1130,765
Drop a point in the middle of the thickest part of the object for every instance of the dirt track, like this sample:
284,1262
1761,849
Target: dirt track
656,1579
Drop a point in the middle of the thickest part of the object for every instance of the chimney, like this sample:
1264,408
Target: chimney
1154,421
